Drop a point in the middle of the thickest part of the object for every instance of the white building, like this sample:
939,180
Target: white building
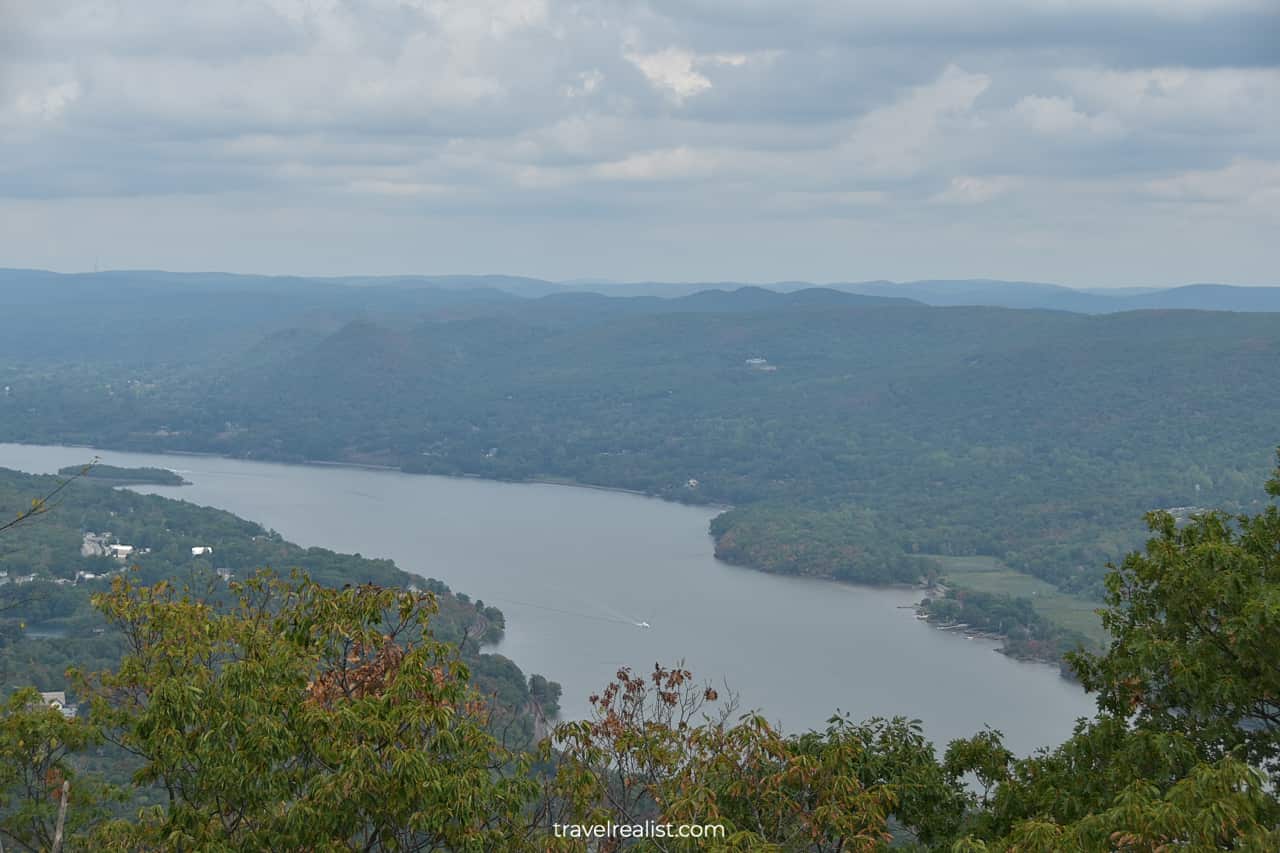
121,552
57,700
201,550
95,545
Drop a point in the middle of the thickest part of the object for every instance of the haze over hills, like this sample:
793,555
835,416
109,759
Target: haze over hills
1008,453
905,401
852,431
438,292
917,323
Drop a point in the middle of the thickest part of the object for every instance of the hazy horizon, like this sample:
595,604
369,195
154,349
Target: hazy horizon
604,281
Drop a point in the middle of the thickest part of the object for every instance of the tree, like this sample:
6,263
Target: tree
289,715
1195,627
1189,708
37,743
301,717
657,748
36,748
1220,806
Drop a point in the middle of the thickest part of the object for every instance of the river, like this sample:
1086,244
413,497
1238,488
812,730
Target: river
575,570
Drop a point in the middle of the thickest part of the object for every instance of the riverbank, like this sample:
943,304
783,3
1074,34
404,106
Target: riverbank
574,570
1008,647
285,459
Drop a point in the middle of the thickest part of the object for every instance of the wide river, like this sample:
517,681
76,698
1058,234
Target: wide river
575,570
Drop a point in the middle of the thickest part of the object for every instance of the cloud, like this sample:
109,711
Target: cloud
896,139
966,189
681,73
1055,115
671,70
685,122
586,83
1181,98
49,103
681,162
1243,182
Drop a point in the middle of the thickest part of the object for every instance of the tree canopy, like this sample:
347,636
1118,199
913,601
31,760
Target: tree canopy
295,716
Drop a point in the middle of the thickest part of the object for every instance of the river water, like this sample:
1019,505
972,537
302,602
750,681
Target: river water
575,570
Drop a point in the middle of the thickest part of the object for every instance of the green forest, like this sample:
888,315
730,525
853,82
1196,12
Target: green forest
126,476
853,437
47,580
283,714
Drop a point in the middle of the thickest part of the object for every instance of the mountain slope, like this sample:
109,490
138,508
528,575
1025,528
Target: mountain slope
1036,436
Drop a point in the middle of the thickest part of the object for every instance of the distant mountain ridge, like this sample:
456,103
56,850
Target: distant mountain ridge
424,293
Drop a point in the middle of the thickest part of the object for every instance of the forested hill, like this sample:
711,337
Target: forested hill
851,436
51,564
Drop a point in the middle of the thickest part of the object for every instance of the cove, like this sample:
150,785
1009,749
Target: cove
577,570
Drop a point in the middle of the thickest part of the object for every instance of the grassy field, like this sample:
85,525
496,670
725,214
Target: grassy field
987,574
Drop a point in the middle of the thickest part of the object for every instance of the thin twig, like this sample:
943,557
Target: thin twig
42,505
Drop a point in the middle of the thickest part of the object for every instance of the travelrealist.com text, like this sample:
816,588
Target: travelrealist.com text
648,829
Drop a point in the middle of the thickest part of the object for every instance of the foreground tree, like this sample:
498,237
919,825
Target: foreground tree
1195,627
655,750
1185,750
37,775
302,718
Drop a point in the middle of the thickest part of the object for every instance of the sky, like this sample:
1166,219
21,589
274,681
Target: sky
1094,143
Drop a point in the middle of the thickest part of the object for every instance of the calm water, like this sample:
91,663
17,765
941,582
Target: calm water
575,570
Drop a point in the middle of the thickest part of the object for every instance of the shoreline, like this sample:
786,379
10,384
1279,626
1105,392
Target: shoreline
937,590
369,466
546,481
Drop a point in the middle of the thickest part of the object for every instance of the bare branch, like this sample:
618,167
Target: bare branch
40,506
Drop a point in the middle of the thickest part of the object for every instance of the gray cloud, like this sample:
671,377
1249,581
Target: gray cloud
754,139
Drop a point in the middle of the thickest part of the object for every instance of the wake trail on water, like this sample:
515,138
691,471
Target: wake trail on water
578,613
623,617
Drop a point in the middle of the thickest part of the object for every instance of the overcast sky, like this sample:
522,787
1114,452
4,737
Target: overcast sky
1088,142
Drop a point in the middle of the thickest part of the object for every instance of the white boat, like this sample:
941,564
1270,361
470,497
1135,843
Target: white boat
642,625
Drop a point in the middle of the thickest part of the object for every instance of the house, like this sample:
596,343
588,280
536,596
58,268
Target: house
121,552
201,551
57,700
225,574
95,545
